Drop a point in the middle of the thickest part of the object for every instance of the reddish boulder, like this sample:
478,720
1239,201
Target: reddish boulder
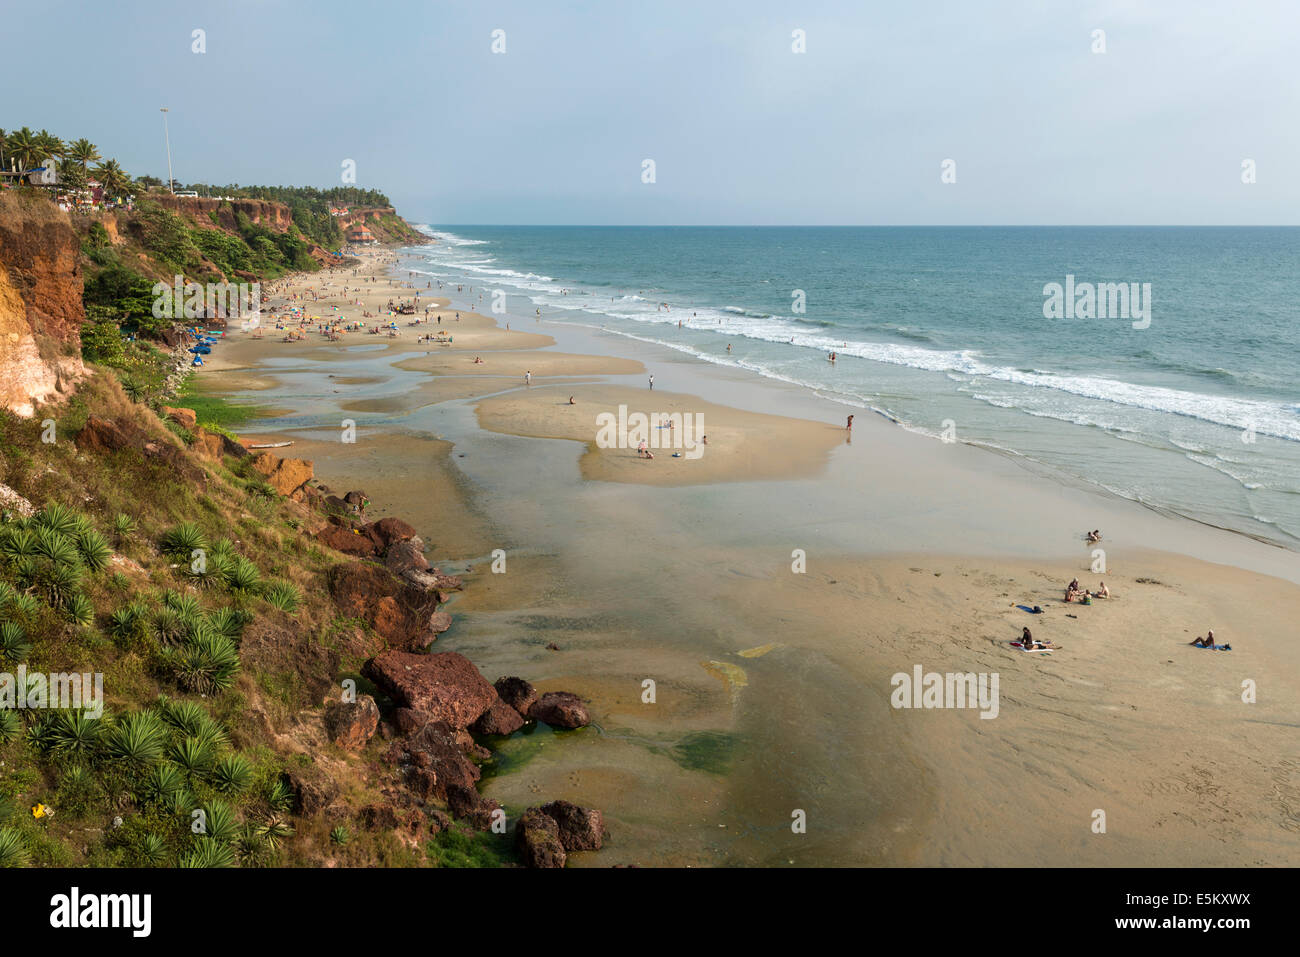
404,617
389,531
560,709
286,476
185,418
446,686
347,541
500,718
517,693
537,838
101,435
351,724
405,556
581,828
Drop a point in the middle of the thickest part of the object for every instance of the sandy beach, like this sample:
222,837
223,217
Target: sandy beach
772,588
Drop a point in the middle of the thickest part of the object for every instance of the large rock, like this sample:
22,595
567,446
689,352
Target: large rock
499,718
406,556
215,446
560,709
185,418
349,541
438,770
286,476
581,828
517,693
351,724
537,838
403,616
101,435
446,686
389,531
312,790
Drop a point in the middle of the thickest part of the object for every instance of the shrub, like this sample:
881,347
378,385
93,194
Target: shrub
181,542
13,849
208,853
282,595
14,645
138,741
231,774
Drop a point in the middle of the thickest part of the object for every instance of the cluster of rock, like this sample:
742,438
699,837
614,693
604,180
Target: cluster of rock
440,701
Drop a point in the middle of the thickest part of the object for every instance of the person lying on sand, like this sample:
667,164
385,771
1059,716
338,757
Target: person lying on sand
1029,643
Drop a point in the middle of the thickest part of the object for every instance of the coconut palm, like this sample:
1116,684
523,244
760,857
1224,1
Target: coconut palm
113,179
84,152
24,148
51,146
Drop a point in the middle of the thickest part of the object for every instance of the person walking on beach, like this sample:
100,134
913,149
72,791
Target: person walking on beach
652,383
849,425
528,378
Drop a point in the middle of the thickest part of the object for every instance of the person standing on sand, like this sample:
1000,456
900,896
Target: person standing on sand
849,425
528,377
652,383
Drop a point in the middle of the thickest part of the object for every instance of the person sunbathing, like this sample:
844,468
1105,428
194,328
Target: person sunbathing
1208,642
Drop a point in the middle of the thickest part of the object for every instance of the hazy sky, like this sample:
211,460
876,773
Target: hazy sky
741,129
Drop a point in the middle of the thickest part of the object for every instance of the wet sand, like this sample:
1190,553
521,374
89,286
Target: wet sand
771,673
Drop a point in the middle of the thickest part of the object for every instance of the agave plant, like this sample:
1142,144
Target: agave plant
123,528
25,605
13,849
60,584
94,549
220,822
206,663
244,576
229,622
187,717
122,622
7,593
13,641
153,850
81,610
10,726
168,626
213,572
231,774
57,518
208,853
187,606
339,835
18,543
138,741
57,547
163,783
181,542
274,831
280,795
192,755
74,735
282,595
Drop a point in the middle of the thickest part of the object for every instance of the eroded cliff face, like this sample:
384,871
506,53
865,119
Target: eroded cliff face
40,304
274,216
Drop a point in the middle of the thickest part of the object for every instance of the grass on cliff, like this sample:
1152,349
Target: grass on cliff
106,578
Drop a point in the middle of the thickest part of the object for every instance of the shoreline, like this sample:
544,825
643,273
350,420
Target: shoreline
573,576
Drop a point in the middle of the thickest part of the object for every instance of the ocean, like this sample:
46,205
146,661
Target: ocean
1186,402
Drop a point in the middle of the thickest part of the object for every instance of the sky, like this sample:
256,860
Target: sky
741,129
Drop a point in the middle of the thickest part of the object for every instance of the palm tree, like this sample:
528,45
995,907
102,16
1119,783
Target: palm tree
82,151
24,148
51,146
113,178
3,142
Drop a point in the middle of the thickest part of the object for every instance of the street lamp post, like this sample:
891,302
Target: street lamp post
171,182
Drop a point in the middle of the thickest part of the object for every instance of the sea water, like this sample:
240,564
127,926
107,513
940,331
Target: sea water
1188,403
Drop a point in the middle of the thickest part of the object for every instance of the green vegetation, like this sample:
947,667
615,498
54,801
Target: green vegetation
457,848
